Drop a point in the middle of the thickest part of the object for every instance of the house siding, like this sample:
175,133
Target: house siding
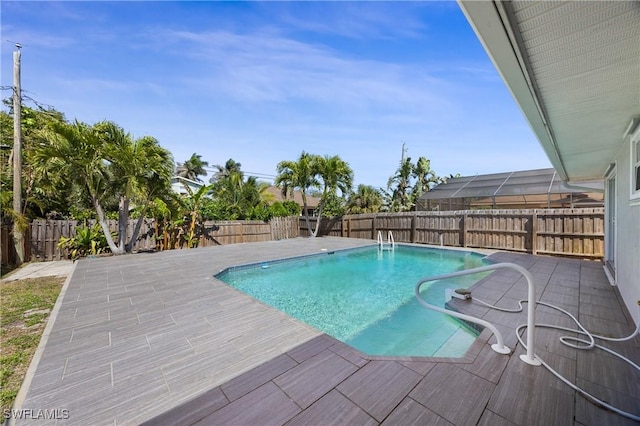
628,235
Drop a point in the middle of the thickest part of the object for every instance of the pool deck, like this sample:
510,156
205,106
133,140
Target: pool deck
155,338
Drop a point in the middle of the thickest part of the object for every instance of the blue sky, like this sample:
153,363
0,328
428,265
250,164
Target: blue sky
260,82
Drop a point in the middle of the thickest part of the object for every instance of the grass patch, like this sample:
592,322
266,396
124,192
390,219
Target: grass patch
25,306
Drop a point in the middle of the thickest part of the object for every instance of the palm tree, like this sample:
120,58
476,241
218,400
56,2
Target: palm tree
399,184
366,199
425,178
140,168
34,201
103,161
229,191
74,154
151,176
192,168
229,168
299,175
335,175
239,196
156,192
254,194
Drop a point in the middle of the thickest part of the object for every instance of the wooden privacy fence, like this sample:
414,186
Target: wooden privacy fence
248,231
8,255
283,228
41,240
566,232
44,235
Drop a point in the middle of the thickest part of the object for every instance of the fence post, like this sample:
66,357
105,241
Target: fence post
413,227
373,227
463,225
345,227
534,232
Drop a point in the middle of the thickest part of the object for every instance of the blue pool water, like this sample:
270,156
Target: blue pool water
365,297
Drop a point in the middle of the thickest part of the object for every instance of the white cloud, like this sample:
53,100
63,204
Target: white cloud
35,39
304,77
268,68
363,21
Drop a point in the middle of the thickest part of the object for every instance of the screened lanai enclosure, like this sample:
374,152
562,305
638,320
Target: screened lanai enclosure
529,189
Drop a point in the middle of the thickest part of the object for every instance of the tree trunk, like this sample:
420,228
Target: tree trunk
129,246
305,209
192,227
123,221
105,227
320,208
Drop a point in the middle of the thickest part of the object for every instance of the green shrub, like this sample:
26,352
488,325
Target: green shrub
87,241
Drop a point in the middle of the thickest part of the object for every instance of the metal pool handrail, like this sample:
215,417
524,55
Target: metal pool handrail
390,241
499,347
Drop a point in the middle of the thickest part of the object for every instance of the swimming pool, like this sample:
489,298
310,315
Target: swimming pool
365,297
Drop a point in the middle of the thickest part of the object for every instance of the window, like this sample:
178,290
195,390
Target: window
635,165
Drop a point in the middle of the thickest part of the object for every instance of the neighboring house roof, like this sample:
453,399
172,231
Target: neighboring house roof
512,188
312,202
574,70
178,183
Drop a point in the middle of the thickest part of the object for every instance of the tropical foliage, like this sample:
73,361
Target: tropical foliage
298,175
408,183
327,175
230,196
398,187
140,170
193,168
87,241
194,218
235,196
100,171
334,175
104,162
229,168
366,199
35,202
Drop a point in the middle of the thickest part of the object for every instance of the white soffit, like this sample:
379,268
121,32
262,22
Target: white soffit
574,69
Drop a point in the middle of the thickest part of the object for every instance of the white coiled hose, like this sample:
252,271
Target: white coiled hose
579,344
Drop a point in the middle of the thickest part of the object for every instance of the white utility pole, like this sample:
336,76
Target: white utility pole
404,150
17,156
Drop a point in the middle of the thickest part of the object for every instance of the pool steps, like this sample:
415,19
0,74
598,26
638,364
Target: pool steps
499,347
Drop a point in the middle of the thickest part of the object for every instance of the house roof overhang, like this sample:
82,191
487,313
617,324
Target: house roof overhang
573,69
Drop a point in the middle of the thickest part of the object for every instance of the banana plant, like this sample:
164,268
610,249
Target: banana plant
195,200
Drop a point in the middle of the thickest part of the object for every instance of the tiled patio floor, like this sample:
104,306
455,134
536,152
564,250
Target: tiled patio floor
153,337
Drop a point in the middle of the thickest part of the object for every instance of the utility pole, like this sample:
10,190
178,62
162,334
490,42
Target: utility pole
404,150
17,156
